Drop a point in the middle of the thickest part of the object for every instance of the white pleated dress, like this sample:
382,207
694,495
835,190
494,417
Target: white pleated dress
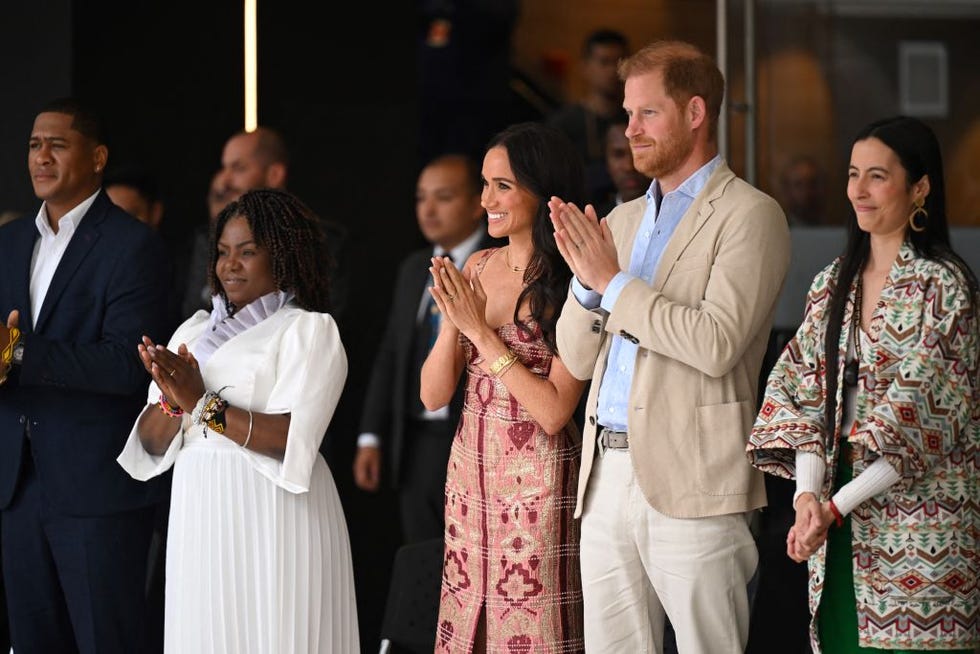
258,554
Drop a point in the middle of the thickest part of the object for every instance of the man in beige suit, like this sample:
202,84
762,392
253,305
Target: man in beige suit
669,314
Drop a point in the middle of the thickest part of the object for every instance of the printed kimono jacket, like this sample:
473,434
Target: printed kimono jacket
915,547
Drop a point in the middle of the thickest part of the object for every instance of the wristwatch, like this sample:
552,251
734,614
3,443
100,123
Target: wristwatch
18,354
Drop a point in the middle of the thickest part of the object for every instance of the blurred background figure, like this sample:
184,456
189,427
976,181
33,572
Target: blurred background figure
627,182
803,186
197,289
464,55
414,442
587,120
134,190
7,216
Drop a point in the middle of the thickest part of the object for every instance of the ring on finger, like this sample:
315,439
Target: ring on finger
173,372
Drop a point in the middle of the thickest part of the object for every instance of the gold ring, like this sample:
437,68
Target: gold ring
173,372
451,298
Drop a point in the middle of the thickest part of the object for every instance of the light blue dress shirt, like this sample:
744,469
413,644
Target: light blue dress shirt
663,214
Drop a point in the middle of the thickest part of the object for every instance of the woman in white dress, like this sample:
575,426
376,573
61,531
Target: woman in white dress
258,554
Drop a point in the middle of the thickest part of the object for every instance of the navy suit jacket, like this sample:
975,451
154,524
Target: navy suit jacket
82,384
385,408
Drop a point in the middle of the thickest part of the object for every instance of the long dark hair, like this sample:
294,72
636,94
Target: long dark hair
917,149
295,239
544,162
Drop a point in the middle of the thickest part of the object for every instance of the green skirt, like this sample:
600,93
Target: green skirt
837,621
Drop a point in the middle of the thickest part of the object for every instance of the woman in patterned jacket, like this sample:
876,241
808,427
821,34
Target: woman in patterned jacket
873,408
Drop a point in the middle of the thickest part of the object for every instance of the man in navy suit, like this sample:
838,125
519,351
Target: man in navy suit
83,281
416,442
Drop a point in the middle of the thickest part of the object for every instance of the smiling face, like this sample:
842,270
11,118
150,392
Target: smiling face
244,268
511,208
879,189
65,166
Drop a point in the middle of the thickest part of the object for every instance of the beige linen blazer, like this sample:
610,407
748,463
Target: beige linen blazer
702,329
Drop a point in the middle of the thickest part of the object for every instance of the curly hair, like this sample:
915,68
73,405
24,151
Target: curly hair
295,239
544,161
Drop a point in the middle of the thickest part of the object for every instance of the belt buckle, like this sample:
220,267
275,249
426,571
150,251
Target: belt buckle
606,440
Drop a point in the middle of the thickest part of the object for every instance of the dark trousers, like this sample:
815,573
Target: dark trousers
74,585
422,488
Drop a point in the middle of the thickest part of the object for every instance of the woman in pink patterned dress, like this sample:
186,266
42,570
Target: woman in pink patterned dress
511,579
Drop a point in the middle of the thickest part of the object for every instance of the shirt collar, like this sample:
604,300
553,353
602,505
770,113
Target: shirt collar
690,186
69,222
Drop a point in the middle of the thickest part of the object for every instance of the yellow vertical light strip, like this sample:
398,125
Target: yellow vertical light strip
251,67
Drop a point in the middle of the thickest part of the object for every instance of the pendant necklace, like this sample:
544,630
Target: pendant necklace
509,265
851,369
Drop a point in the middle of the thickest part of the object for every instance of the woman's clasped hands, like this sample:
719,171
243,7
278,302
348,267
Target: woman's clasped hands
459,296
178,375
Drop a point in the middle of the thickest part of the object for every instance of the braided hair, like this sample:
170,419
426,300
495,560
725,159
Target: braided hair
295,239
544,162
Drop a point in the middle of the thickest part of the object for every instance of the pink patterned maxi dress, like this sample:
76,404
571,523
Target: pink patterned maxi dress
512,544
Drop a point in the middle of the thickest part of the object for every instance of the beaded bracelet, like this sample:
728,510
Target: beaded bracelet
504,362
169,409
213,414
210,409
838,518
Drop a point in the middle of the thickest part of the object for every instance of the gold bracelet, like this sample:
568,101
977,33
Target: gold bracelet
7,356
508,366
502,363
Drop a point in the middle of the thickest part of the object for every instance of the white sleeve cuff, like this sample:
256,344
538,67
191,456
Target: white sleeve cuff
810,469
876,478
368,440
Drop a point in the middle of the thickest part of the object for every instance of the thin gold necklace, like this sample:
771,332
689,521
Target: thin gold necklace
509,265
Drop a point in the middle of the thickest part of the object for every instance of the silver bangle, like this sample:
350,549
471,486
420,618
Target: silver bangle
249,436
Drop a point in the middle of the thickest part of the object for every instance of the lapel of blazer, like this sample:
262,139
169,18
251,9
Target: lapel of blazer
21,252
82,241
692,222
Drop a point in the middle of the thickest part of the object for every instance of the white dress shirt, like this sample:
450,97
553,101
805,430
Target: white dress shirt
50,248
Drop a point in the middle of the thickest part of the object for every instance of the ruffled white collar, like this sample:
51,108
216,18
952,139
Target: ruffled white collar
222,326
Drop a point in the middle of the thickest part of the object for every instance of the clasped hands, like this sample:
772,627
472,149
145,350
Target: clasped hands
585,242
459,296
177,375
808,533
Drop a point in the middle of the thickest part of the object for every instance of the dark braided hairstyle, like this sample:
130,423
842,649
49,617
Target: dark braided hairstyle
544,162
917,148
295,239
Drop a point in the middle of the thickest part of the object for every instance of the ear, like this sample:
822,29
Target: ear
920,190
275,175
100,156
697,111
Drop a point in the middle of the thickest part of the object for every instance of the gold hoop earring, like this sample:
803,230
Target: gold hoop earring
914,224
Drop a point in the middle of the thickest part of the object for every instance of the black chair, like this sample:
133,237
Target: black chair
412,608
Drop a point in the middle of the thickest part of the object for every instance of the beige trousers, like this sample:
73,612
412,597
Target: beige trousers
638,565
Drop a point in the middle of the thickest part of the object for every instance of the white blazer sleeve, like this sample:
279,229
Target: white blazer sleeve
310,373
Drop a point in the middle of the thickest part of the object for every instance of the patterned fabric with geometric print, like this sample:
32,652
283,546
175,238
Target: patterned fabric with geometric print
916,557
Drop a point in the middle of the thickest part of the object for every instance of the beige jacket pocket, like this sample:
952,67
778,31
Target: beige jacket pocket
720,448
